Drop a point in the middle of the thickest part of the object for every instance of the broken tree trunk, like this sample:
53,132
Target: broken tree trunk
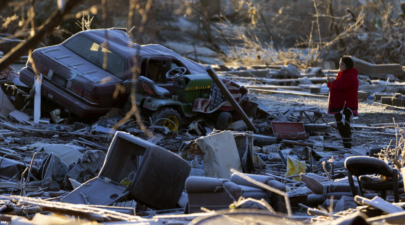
333,24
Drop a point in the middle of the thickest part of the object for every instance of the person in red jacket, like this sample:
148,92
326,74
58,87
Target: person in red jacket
343,102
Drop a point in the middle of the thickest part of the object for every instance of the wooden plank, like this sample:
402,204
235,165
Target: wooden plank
388,134
7,151
291,142
300,93
9,126
387,124
338,150
13,134
390,107
65,133
17,185
273,87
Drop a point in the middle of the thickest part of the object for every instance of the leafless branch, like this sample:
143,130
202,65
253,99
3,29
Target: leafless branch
49,25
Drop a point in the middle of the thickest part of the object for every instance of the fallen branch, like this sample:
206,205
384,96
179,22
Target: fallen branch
88,212
390,107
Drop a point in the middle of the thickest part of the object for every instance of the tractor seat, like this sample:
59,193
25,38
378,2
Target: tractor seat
150,87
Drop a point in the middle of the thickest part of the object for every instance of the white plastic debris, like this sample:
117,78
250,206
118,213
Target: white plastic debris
220,154
37,99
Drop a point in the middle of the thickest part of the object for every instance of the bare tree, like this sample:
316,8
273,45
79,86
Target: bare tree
45,29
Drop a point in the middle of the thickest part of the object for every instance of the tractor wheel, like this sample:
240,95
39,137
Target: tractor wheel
223,121
167,117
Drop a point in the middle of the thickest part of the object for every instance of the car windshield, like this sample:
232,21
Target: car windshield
94,53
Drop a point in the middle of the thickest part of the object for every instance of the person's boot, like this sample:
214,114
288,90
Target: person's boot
347,142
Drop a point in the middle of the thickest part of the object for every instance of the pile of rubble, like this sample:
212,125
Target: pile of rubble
292,168
248,164
232,173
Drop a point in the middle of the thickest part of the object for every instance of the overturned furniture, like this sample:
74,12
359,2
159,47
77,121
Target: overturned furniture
361,166
152,175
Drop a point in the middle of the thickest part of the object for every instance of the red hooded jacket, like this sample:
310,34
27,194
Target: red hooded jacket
343,92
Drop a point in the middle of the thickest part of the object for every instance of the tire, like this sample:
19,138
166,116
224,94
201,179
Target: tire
160,116
223,121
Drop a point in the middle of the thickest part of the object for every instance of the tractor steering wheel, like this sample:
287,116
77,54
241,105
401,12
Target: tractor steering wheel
176,72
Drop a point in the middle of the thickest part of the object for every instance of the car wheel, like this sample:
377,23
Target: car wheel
223,121
167,117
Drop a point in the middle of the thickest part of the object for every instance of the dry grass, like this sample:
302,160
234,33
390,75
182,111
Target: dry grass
246,48
384,44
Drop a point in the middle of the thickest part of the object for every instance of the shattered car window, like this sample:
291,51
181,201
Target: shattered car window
94,53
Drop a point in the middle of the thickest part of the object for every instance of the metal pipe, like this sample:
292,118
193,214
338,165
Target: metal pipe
230,98
282,158
311,160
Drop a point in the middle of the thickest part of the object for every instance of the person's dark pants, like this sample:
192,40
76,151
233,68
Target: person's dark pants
344,130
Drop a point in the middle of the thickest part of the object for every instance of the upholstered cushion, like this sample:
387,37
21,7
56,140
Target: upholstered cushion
277,185
211,193
255,193
240,181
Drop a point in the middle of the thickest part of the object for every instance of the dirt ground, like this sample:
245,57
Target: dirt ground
368,113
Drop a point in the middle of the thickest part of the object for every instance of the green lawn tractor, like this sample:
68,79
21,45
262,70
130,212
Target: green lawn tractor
169,104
